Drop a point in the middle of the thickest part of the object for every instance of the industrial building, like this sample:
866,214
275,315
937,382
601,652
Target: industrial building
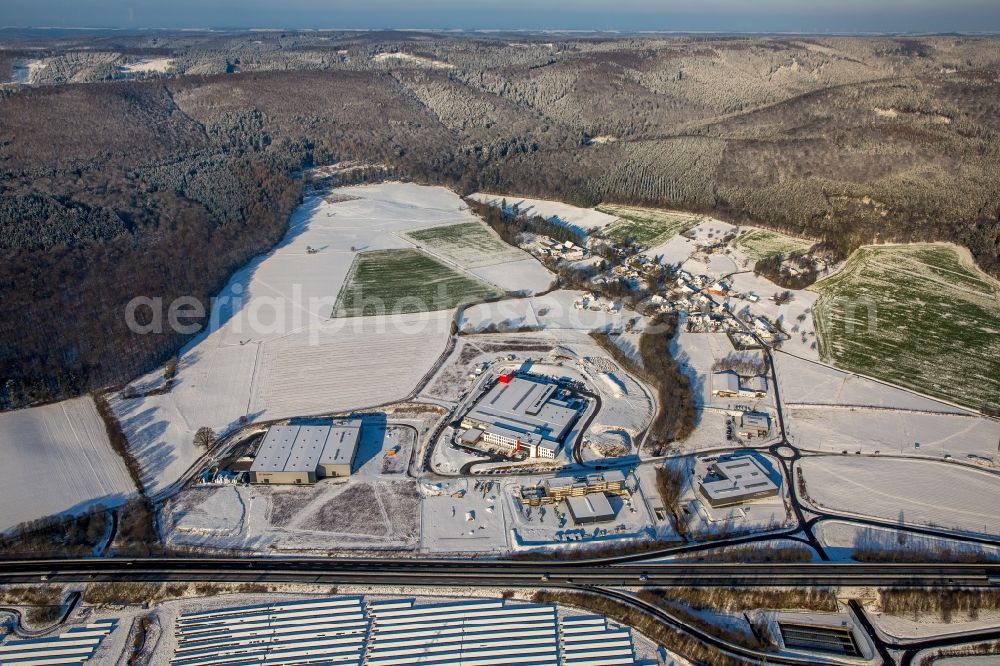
521,413
73,646
591,508
736,479
559,488
328,630
754,424
588,639
728,384
302,454
399,632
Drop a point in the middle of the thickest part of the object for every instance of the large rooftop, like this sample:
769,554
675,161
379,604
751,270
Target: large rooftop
740,477
292,448
592,507
525,405
400,632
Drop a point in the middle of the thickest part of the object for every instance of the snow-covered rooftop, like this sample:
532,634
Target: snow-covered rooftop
289,448
73,646
399,632
738,478
524,405
590,508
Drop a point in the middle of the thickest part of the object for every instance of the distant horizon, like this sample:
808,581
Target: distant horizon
486,31
806,17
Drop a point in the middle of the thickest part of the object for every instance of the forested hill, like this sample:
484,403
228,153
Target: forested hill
157,164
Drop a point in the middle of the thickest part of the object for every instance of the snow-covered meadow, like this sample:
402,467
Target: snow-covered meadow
579,219
556,310
907,491
841,539
57,459
148,65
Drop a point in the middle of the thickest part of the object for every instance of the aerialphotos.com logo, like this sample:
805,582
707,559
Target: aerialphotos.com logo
268,315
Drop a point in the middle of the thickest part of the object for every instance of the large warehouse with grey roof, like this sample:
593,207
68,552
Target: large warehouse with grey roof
527,411
301,454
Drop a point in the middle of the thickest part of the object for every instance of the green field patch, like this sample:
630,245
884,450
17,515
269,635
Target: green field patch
916,316
469,244
647,227
404,281
764,243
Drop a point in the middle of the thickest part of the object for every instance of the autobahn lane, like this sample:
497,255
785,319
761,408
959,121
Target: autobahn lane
500,573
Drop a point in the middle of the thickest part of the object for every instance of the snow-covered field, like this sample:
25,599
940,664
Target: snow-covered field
23,71
832,410
913,492
921,315
476,248
806,382
463,515
410,59
57,459
145,65
468,244
362,513
553,311
930,625
677,250
758,243
841,538
579,219
364,365
274,352
834,429
525,275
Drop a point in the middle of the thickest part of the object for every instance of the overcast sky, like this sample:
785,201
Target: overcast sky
627,15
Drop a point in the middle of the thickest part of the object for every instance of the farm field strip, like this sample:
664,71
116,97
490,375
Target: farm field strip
892,313
646,226
468,244
405,281
763,243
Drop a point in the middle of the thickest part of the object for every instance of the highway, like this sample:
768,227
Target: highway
496,573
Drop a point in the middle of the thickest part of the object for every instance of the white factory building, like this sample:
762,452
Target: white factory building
590,508
735,480
728,384
73,646
318,631
400,632
521,413
301,454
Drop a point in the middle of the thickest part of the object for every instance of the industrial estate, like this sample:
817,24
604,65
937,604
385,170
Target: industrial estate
526,428
432,426
530,431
